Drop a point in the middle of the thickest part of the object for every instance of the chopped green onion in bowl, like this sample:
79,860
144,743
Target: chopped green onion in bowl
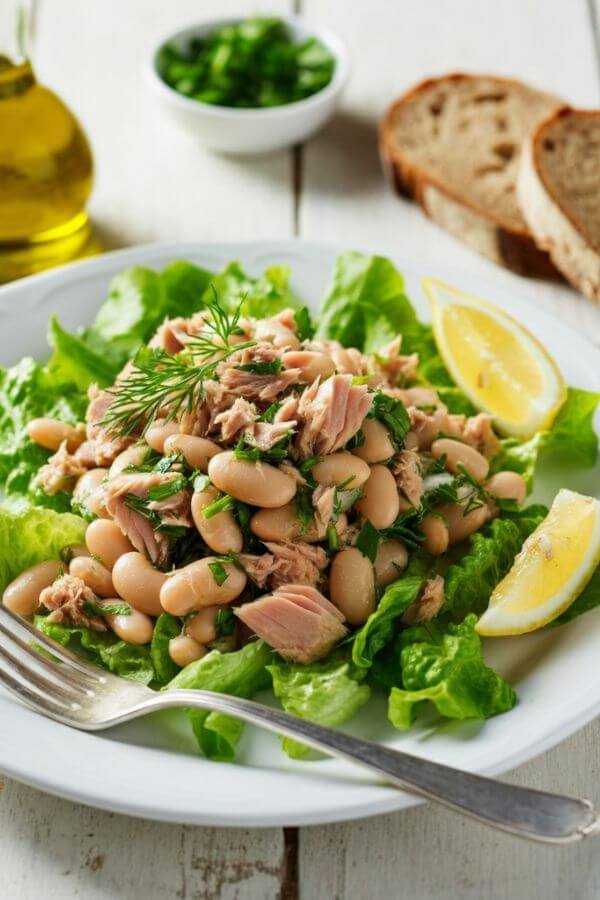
253,64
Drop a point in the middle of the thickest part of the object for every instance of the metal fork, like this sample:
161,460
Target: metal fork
87,698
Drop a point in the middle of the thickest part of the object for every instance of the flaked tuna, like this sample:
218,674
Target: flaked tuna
61,471
428,603
66,598
237,418
285,562
407,470
329,414
296,620
138,527
238,380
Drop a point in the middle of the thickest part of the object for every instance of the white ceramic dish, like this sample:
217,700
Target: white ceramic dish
151,768
251,131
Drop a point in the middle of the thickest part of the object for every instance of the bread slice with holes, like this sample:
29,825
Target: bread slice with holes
558,190
453,144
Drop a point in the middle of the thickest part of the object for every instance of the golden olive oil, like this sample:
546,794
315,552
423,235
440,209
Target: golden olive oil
46,173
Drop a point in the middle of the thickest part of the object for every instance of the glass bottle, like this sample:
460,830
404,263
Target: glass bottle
46,167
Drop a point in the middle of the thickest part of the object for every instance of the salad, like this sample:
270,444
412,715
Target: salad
207,488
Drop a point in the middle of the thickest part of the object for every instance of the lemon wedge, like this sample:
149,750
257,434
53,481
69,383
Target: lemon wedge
555,563
499,365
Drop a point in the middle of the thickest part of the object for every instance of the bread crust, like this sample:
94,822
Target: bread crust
554,227
514,247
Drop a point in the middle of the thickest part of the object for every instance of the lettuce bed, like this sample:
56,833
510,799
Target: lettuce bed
366,306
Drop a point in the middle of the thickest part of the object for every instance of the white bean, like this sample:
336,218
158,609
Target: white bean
89,492
196,451
132,456
138,582
135,628
377,445
462,524
508,486
461,455
352,585
256,483
158,433
50,433
391,559
436,534
203,626
220,532
94,574
22,595
380,502
106,541
197,585
184,650
341,469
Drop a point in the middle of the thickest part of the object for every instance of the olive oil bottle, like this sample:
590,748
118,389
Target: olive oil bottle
46,165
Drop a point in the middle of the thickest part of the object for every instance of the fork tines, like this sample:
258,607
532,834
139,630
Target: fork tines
55,683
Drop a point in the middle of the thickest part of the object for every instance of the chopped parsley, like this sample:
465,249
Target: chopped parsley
368,540
393,415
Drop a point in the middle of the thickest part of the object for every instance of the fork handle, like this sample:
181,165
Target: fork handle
528,813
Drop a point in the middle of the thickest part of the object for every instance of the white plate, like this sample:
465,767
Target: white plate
151,768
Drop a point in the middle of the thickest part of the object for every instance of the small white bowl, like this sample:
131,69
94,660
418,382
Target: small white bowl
251,131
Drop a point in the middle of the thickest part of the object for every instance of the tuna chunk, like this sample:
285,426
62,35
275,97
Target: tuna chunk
479,434
235,419
170,336
173,510
60,472
396,368
67,597
296,620
252,385
428,603
406,468
279,330
286,562
101,447
329,414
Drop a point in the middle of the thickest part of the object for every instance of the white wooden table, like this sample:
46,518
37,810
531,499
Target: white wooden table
153,184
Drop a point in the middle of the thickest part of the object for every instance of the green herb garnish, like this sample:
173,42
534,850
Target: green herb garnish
254,63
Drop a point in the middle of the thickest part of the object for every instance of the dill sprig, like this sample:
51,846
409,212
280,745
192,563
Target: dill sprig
164,385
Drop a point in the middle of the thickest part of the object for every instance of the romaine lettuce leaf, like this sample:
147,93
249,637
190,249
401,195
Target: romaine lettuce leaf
379,628
33,537
166,627
443,666
242,674
75,359
572,439
365,305
490,553
27,391
328,692
103,648
572,435
260,297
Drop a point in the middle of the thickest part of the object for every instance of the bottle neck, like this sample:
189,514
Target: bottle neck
16,31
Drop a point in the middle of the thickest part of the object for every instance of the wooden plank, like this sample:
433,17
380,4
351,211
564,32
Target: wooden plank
152,181
57,849
432,854
345,198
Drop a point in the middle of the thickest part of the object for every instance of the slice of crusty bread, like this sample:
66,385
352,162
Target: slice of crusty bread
559,193
453,144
